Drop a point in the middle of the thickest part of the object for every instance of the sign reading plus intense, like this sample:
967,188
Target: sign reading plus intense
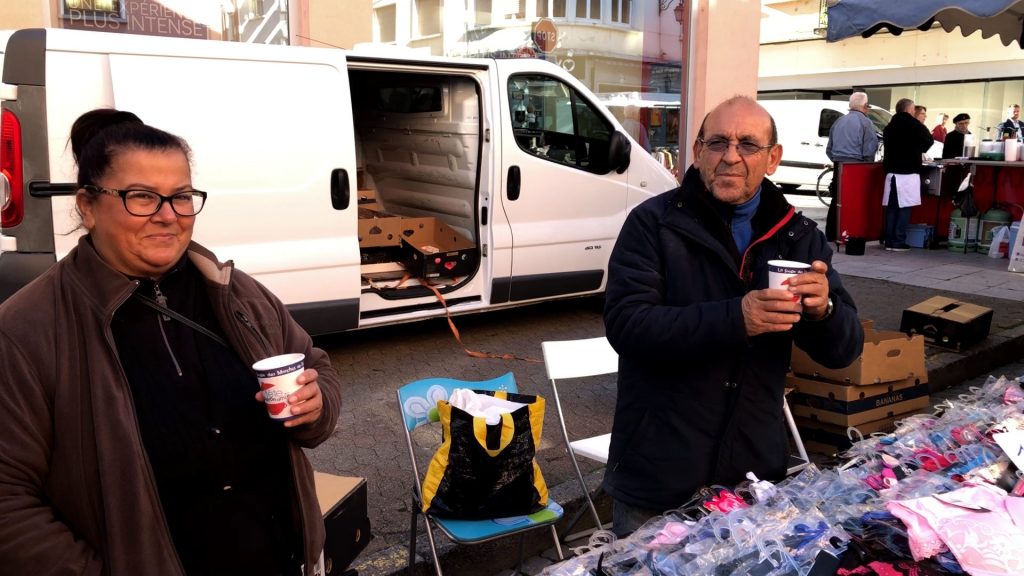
132,16
545,35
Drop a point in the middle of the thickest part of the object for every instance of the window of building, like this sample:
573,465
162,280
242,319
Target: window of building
621,11
512,9
588,9
553,121
482,12
384,22
427,17
551,8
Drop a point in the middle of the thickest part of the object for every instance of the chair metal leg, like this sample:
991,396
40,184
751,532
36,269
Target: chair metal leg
413,513
558,543
522,548
433,547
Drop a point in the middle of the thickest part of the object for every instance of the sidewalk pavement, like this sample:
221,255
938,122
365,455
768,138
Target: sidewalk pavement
882,284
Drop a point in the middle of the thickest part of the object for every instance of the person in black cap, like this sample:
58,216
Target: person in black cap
954,144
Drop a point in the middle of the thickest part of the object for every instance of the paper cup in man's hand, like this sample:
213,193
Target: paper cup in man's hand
277,376
781,270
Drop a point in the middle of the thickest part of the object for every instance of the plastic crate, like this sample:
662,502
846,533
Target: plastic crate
919,235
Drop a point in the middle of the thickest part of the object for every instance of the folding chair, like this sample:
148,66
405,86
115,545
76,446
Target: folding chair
566,359
415,404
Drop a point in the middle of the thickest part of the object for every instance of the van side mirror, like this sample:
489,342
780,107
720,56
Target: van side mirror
619,150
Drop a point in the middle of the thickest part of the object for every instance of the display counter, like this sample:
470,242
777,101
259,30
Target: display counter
861,185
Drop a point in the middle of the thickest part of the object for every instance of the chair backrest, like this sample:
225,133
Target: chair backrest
579,358
418,400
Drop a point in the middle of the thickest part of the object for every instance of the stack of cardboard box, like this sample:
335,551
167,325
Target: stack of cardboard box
887,382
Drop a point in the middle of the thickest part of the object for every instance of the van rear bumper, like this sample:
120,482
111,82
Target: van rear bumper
19,268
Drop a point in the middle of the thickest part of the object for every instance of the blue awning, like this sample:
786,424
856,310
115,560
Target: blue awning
1004,18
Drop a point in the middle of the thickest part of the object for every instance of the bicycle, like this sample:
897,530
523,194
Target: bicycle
824,196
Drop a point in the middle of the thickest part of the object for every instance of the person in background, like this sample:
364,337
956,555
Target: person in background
634,127
852,139
953,147
939,132
921,113
1013,122
906,139
134,443
704,344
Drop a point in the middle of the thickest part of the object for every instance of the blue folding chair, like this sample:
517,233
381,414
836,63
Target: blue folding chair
415,403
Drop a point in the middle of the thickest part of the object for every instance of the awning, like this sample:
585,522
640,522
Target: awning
1004,18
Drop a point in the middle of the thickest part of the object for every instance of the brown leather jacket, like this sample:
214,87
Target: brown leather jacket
77,495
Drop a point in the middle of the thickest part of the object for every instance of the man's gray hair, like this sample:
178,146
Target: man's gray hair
858,100
905,105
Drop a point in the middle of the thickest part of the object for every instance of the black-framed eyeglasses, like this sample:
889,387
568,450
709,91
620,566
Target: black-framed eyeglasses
743,147
140,202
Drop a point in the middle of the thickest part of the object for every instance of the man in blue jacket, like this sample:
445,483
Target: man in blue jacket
704,346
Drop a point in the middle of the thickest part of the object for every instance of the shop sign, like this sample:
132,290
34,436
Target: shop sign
545,35
96,10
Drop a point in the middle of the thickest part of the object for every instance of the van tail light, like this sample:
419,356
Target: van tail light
11,182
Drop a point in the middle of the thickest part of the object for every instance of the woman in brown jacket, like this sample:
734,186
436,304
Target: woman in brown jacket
134,443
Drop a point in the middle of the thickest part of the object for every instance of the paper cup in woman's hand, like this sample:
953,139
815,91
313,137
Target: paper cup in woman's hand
277,376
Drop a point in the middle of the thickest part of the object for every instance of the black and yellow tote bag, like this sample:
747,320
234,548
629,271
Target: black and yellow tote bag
487,471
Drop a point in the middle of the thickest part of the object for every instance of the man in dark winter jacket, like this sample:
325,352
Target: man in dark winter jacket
906,139
704,346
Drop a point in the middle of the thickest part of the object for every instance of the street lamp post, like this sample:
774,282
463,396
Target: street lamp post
682,14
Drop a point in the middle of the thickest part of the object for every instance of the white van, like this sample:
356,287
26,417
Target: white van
804,127
499,182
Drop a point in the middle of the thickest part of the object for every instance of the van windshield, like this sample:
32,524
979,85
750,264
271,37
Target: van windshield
880,118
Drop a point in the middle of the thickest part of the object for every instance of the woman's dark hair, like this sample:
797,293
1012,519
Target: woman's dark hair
99,135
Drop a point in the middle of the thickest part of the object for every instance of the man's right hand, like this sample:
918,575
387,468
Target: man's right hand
770,310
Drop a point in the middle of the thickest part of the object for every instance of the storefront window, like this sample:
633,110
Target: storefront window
553,121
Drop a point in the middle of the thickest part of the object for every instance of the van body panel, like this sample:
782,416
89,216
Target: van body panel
565,219
275,236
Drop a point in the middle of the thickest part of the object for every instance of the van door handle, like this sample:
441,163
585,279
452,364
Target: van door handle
806,143
340,192
514,180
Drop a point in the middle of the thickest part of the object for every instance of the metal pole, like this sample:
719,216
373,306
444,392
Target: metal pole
684,160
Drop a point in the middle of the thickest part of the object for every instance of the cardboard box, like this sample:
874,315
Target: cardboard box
343,504
850,399
434,250
948,323
887,357
378,229
858,418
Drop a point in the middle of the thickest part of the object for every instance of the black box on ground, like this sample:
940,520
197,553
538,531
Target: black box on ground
948,323
343,504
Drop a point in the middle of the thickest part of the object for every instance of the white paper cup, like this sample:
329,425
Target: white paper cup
781,270
277,376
